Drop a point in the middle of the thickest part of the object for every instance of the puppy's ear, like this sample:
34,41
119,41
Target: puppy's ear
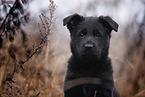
72,21
109,22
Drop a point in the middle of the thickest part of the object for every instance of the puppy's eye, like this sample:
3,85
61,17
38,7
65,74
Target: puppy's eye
82,33
97,34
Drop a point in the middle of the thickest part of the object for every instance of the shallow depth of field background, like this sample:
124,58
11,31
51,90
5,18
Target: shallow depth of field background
43,74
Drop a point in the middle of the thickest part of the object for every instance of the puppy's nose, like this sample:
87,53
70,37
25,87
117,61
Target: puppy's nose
88,45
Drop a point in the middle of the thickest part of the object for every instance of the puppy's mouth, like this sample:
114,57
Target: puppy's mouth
88,55
88,52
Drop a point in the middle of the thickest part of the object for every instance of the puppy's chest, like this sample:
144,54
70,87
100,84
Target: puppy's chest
88,71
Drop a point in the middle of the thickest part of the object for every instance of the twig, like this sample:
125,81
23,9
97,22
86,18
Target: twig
10,78
140,93
95,94
37,94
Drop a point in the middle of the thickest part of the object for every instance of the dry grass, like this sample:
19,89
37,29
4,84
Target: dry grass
132,83
36,78
40,76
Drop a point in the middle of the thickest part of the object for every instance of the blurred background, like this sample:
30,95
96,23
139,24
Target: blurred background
43,74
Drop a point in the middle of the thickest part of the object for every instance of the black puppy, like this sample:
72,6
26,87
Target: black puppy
90,71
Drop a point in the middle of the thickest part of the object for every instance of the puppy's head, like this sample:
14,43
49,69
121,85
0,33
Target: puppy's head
90,36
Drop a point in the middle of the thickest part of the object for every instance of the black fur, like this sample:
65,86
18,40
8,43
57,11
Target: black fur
90,38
